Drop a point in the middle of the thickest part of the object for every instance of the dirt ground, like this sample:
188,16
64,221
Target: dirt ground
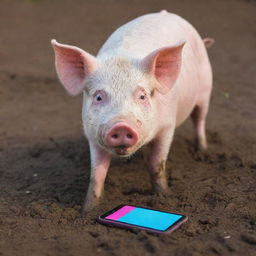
44,157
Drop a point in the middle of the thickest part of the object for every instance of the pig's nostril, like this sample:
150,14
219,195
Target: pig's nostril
114,136
129,136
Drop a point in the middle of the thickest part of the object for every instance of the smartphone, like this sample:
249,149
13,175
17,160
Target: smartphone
129,216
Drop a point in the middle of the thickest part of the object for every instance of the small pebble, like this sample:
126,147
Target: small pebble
28,192
227,237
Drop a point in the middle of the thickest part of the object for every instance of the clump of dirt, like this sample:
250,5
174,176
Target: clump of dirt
53,211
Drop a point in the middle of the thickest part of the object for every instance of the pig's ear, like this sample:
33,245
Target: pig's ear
73,65
164,64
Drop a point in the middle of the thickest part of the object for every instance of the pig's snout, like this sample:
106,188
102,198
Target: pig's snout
121,135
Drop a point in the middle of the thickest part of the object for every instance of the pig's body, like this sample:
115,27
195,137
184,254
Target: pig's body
148,77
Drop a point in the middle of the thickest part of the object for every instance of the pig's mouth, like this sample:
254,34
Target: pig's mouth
122,150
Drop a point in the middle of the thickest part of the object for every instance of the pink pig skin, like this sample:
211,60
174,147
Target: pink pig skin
149,76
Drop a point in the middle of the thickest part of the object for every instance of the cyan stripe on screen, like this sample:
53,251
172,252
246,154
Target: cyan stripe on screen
150,218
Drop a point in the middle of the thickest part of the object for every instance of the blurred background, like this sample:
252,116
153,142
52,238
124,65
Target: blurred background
28,25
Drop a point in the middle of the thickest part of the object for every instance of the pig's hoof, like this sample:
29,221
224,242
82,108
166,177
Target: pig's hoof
162,191
86,210
89,207
201,156
200,145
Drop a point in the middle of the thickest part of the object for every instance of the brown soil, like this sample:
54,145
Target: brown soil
44,157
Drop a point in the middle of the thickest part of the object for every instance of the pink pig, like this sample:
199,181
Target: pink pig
149,76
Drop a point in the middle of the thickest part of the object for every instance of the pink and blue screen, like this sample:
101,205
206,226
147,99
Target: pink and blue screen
144,217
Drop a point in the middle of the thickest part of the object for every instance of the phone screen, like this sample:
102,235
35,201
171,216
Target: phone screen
143,217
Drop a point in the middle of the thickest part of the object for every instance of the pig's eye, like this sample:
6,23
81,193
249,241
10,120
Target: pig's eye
142,97
99,97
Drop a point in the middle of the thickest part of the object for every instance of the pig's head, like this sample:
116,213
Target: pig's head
119,107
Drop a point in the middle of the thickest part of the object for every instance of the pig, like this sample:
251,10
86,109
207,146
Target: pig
149,76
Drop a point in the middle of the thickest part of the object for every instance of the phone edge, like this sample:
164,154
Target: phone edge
130,226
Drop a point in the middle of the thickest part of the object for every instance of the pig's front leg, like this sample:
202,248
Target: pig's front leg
159,152
100,161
